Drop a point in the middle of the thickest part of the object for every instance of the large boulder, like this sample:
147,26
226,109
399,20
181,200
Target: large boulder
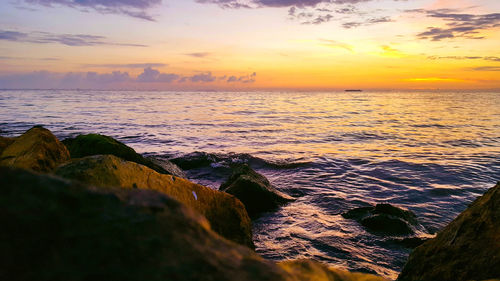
37,149
385,219
466,249
254,190
226,214
55,229
95,144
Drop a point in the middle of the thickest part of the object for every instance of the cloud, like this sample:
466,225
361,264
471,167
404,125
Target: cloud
242,79
112,80
28,58
486,58
366,22
152,75
335,44
73,40
486,68
276,3
457,25
129,65
199,54
134,8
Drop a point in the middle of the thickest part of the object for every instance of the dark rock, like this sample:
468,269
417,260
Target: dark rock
384,218
466,249
37,149
194,160
254,190
226,214
95,144
410,242
54,229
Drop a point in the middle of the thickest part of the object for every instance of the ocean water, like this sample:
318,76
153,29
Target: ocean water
430,152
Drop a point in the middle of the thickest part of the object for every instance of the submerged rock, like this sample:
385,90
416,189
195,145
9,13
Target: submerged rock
384,218
195,160
55,229
466,249
226,214
254,190
410,242
37,149
95,144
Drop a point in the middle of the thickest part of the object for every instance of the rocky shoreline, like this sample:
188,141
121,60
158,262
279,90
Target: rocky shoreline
92,208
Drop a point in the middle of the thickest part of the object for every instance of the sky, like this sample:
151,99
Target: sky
250,44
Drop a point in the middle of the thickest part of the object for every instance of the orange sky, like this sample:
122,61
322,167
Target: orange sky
270,44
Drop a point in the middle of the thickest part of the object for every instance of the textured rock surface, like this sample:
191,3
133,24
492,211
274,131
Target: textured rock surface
37,149
385,218
254,190
94,144
226,214
4,142
55,229
466,249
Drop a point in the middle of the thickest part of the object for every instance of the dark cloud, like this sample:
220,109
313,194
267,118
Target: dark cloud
64,39
112,80
457,25
133,8
487,58
276,3
199,54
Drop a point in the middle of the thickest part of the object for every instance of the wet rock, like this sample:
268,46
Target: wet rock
410,242
226,214
4,142
37,149
55,229
309,270
466,249
166,166
384,218
95,144
254,190
195,160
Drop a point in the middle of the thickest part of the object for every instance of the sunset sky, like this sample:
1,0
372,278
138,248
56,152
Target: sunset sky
250,44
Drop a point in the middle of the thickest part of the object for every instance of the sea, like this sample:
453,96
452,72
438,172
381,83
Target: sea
431,152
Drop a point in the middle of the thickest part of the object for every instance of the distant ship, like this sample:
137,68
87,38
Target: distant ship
353,90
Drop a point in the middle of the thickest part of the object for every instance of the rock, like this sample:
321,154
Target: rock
55,229
37,149
4,142
226,214
466,249
410,242
195,160
384,218
254,190
309,270
94,144
167,166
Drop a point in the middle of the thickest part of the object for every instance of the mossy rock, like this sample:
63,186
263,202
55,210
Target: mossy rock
56,229
95,144
466,249
4,142
37,149
226,214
